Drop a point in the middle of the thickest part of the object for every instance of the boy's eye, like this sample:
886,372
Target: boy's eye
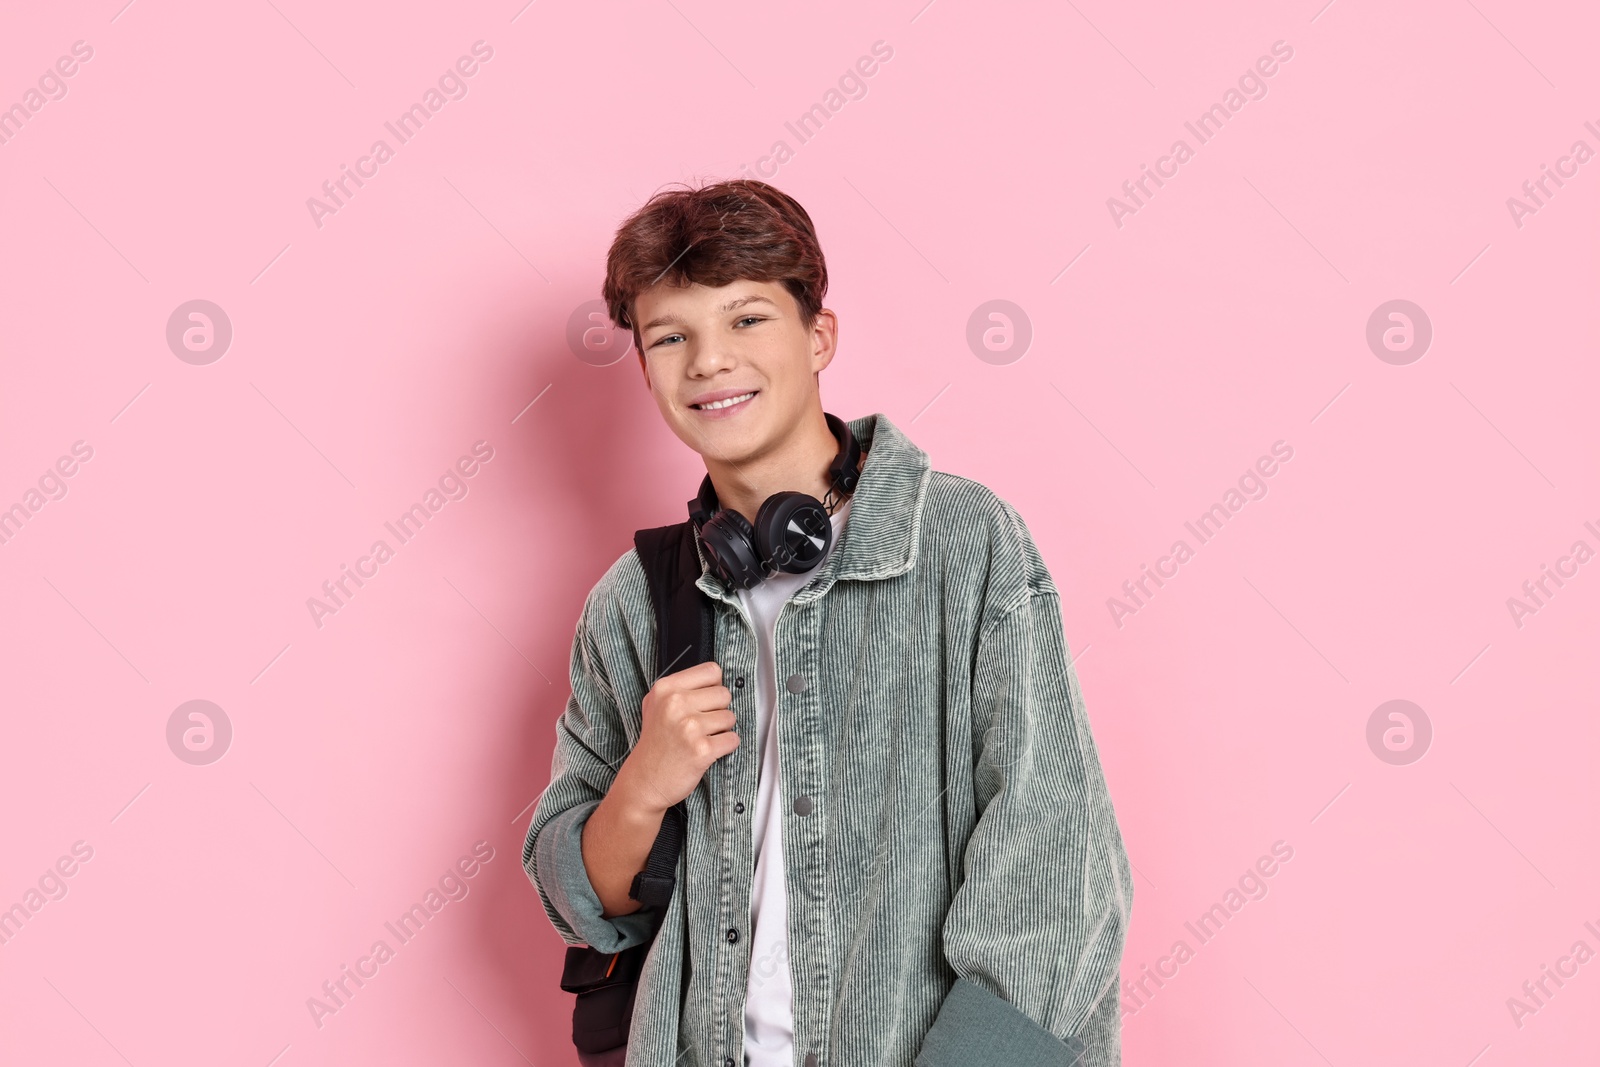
751,318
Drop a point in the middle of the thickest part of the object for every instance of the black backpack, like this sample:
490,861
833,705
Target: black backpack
606,982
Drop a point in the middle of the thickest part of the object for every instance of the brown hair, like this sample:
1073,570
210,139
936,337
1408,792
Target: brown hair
715,235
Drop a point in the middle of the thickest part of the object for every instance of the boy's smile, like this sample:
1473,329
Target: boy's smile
718,406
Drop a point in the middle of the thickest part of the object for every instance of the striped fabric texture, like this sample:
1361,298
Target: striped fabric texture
958,889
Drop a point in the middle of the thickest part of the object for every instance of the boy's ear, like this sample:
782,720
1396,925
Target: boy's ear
825,338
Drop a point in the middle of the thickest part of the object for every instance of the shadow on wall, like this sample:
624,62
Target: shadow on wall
596,462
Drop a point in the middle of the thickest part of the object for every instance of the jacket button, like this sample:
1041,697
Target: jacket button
795,683
811,1059
733,935
738,683
739,808
802,805
728,1062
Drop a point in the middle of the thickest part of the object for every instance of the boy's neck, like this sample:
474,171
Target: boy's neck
800,463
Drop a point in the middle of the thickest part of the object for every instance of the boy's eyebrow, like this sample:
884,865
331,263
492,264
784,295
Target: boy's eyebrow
734,304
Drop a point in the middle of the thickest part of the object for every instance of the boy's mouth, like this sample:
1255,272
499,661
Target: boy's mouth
726,404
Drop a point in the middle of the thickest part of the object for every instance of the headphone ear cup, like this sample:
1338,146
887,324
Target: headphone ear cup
792,531
730,545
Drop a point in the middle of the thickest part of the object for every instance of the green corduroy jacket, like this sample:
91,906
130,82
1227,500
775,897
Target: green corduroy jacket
958,889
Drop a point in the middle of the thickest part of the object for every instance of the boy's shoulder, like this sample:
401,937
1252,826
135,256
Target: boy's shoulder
963,506
619,600
963,517
964,501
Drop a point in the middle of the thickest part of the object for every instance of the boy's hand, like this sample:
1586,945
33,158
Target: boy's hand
688,726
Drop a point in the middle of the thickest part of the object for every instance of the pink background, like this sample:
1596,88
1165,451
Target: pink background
432,310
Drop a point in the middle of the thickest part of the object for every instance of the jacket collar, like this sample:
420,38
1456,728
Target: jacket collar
880,536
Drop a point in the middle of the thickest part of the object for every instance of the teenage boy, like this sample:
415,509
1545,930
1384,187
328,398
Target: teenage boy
900,847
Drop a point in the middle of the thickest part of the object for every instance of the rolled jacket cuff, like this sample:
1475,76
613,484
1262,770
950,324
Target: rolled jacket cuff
559,856
975,1025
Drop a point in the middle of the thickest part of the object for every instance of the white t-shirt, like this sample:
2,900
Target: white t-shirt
769,1007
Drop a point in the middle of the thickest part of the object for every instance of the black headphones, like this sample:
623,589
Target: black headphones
792,530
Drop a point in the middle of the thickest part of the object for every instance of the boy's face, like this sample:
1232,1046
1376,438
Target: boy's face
745,337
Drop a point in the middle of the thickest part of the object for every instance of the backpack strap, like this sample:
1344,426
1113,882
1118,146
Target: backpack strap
685,636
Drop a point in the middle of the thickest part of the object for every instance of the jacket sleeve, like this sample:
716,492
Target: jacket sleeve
1035,930
590,745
